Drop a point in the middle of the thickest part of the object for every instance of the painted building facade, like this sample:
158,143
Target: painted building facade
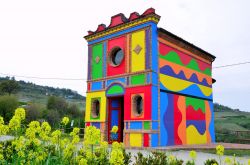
153,85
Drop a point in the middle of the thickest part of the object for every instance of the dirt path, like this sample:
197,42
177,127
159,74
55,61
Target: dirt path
207,146
184,155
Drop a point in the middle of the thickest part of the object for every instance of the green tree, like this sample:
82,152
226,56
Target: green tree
9,86
8,104
74,111
53,118
57,103
34,111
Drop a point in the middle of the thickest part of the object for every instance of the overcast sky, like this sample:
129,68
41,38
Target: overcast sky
45,38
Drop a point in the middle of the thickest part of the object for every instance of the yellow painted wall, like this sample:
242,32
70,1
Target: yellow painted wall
194,137
135,140
138,60
102,106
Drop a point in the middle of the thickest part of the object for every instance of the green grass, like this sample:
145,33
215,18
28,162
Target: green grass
25,97
226,123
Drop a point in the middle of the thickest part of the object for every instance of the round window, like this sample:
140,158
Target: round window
137,105
95,108
116,56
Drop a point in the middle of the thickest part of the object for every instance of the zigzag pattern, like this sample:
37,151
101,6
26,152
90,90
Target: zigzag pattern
182,59
195,103
167,70
193,114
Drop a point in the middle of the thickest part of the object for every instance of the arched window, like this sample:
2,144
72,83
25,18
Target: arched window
116,56
137,105
95,110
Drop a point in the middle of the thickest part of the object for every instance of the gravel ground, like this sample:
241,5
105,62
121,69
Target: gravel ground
184,155
6,138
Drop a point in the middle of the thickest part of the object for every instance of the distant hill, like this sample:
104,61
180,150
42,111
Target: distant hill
226,118
30,92
222,108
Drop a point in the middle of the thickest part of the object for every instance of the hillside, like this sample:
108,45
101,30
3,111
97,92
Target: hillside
30,92
231,125
227,120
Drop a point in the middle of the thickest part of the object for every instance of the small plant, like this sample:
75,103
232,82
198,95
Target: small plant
228,161
172,160
211,162
220,151
116,155
114,135
192,155
127,157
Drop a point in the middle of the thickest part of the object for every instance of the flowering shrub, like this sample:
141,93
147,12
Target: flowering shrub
65,121
192,155
38,144
220,150
114,129
4,129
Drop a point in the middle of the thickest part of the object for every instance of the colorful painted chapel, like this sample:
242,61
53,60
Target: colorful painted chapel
155,86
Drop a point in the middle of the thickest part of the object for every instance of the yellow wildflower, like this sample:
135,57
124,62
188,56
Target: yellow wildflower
68,151
34,128
1,152
14,123
75,131
228,161
55,136
75,135
114,129
171,159
64,142
45,131
19,143
21,154
83,161
220,150
92,135
192,154
65,120
1,157
20,112
116,157
1,120
4,129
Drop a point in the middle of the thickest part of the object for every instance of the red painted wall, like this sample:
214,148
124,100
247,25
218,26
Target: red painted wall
146,90
115,70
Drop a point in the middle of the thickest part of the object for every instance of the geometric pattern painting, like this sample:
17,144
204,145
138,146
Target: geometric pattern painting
154,86
186,120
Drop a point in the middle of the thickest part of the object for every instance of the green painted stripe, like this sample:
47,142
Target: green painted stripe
97,50
196,103
146,125
139,79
